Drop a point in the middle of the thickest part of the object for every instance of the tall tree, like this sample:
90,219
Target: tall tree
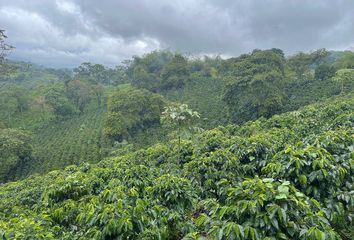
15,149
145,71
301,62
345,61
254,85
59,102
41,105
5,68
8,107
20,94
4,47
131,109
324,71
174,73
344,77
80,93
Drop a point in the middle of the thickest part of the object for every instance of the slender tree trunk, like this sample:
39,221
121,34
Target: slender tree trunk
9,118
99,102
179,144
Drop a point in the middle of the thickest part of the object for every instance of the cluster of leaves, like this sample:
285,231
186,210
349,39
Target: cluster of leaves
286,177
130,109
179,115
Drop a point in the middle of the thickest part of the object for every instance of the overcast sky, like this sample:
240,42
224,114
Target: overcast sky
65,33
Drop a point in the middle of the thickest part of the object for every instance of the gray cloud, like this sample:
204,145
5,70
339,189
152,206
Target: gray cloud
64,33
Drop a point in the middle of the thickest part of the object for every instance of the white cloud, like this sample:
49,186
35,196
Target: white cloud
67,7
40,41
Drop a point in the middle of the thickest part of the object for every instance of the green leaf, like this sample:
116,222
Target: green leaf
320,235
303,179
281,196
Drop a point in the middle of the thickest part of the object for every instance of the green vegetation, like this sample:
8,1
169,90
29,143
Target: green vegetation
256,85
179,118
130,109
344,77
288,177
15,150
73,141
266,153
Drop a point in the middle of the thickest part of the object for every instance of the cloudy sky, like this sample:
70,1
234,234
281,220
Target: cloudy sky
64,33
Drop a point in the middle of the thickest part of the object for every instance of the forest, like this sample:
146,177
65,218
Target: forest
169,145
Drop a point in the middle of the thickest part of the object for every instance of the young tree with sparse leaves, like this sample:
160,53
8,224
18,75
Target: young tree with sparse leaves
179,117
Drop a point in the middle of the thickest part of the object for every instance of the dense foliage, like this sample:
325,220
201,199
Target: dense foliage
256,85
130,109
286,177
15,150
158,71
56,146
64,109
147,166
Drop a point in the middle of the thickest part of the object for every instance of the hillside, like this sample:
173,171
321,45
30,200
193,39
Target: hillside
286,177
65,110
176,120
170,146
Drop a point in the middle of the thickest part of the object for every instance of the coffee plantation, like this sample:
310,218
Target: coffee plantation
286,177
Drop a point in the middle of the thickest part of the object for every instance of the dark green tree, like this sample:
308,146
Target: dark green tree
8,107
324,72
175,73
131,109
301,62
255,85
92,72
56,98
145,71
15,150
80,93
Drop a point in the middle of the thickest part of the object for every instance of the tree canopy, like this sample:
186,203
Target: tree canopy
15,150
130,109
255,85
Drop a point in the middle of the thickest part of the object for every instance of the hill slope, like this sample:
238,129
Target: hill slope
288,177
